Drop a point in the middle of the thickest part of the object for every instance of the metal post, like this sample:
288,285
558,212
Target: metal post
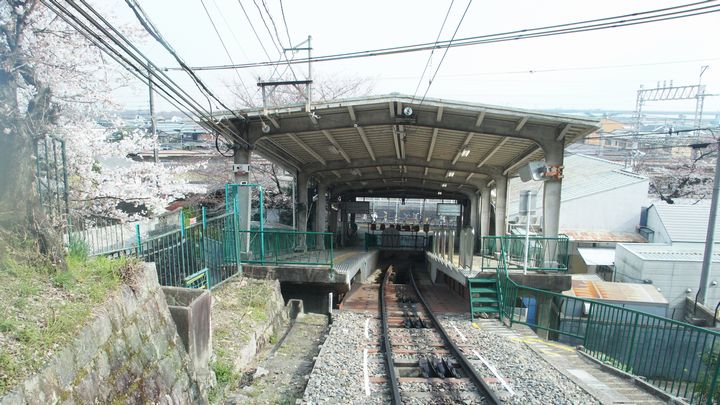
527,234
309,86
137,236
710,238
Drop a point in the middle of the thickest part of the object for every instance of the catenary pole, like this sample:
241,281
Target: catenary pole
710,238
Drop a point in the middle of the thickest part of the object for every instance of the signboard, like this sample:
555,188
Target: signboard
357,207
449,210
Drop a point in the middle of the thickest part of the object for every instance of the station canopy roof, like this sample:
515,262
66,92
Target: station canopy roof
396,146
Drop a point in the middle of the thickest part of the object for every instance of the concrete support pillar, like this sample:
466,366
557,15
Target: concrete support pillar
321,209
548,316
321,216
466,217
242,157
552,191
485,211
500,205
302,203
474,220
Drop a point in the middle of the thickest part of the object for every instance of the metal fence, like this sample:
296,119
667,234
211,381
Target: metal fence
52,177
397,241
678,358
289,247
544,253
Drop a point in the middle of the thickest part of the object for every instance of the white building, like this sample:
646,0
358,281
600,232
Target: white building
674,269
597,195
600,206
671,223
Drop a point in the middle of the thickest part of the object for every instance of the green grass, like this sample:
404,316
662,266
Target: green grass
42,308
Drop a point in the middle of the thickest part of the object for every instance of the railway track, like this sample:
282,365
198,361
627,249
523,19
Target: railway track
424,366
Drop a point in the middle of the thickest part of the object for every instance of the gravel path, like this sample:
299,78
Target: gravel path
338,376
533,379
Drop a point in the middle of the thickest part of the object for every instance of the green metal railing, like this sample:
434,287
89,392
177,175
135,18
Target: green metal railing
100,235
199,255
278,247
390,241
544,253
676,357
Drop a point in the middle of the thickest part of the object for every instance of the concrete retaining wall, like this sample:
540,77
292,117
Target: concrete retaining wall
129,353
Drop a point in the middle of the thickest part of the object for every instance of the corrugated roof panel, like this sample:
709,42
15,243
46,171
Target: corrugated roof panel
620,292
583,176
685,223
676,252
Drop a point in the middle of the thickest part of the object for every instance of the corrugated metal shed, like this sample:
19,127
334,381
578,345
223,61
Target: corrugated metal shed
685,223
677,252
617,292
604,236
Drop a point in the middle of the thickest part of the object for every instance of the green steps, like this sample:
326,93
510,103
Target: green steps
483,296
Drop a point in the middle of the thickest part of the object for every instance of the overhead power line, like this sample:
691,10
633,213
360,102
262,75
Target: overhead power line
432,79
427,64
645,17
97,30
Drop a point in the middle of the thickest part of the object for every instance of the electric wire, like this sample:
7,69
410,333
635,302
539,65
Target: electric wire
446,51
252,26
142,67
287,31
222,42
657,15
278,45
427,64
155,33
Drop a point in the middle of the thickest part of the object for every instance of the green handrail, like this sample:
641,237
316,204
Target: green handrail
678,358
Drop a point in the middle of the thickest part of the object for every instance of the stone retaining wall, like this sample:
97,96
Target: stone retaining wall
129,353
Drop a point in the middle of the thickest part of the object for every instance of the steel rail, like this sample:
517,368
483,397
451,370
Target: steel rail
482,386
392,377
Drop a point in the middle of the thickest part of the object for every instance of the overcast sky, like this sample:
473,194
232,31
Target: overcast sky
594,70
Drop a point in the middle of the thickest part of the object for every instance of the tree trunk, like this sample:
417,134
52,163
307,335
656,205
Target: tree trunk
21,124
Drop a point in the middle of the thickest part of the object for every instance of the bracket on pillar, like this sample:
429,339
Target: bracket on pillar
554,171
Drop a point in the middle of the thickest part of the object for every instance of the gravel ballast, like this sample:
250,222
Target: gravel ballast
532,378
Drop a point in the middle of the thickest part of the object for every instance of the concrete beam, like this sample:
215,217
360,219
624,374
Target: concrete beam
366,142
307,148
492,152
337,146
536,131
409,161
432,144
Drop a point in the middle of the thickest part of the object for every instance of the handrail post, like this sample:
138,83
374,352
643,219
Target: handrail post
632,343
332,254
137,236
277,248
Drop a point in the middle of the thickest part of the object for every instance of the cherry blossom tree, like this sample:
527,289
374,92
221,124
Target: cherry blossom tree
54,81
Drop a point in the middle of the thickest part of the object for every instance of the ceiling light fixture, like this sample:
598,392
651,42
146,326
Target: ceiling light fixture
450,174
443,185
465,152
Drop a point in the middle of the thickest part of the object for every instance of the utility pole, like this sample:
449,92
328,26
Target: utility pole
153,123
710,238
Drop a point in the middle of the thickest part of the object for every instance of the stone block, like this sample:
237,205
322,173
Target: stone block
166,374
117,354
16,396
64,368
86,346
129,301
132,337
149,390
87,391
102,328
102,365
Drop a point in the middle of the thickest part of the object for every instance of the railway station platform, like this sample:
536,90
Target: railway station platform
343,268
